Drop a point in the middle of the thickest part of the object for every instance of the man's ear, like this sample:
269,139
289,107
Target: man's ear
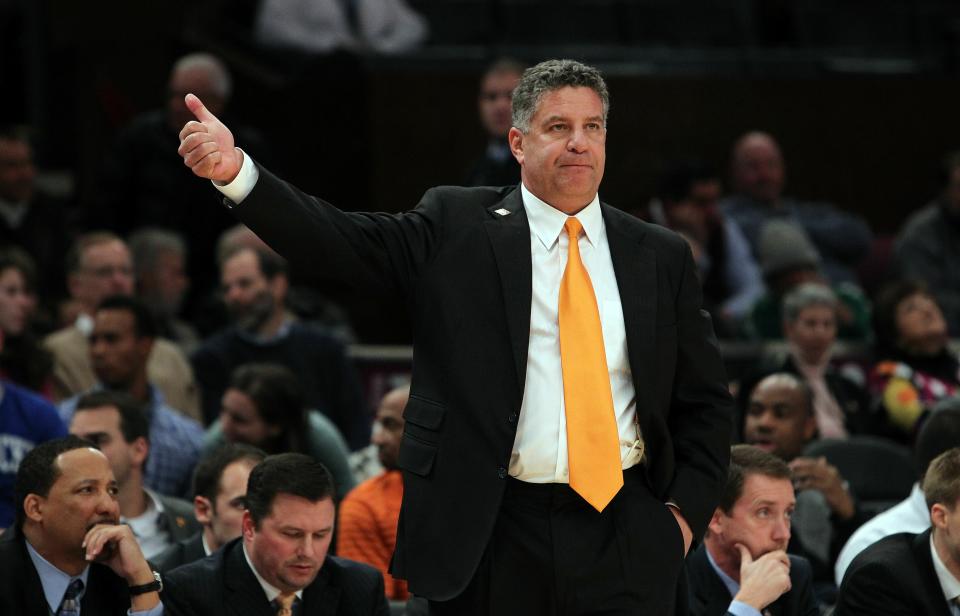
515,139
716,522
139,448
203,510
33,506
247,527
938,516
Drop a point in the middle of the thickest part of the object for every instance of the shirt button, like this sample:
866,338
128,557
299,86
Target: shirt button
502,473
512,418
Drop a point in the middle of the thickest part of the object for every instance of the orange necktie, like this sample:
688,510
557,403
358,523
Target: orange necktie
284,602
593,441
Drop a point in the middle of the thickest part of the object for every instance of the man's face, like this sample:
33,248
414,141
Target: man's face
920,324
758,169
813,332
496,95
388,427
84,495
241,421
184,81
101,426
563,154
167,283
292,541
105,269
251,299
759,520
697,210
116,353
778,418
224,517
15,302
17,172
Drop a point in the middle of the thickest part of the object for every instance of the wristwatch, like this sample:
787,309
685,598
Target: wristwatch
155,586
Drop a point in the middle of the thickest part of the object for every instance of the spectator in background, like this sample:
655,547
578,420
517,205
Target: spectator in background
26,420
255,287
160,264
219,491
840,401
788,259
99,265
742,567
915,368
370,513
688,197
29,218
758,175
122,339
118,426
940,432
22,361
497,166
909,573
144,184
928,247
263,406
780,419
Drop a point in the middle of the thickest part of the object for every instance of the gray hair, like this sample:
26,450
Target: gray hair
148,243
216,71
807,295
553,75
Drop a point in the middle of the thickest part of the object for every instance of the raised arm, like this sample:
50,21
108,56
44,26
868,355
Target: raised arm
207,146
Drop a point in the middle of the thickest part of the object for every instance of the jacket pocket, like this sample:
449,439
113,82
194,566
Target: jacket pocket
416,456
424,413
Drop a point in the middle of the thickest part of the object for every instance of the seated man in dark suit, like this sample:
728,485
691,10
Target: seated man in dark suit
910,573
742,568
280,564
67,553
219,500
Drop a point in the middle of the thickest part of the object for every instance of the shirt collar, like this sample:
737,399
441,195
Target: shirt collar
269,589
256,339
949,584
547,222
918,502
154,508
84,323
732,586
54,581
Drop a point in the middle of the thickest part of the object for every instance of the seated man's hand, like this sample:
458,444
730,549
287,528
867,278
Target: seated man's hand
207,147
684,528
818,474
763,580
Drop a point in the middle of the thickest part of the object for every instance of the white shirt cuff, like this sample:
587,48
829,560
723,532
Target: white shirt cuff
237,190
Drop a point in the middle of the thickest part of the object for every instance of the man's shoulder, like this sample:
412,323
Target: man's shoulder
351,574
24,398
64,340
178,511
890,550
483,196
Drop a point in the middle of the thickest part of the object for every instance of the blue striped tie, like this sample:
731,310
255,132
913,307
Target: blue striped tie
70,606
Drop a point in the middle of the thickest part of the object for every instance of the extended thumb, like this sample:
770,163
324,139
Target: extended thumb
198,109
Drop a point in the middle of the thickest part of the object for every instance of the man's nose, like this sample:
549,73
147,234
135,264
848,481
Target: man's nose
577,141
781,530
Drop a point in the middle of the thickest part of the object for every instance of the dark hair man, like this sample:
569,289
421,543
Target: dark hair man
117,425
219,500
123,337
497,166
68,554
742,566
281,559
911,573
563,362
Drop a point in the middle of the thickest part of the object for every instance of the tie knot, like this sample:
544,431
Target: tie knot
74,589
284,602
573,227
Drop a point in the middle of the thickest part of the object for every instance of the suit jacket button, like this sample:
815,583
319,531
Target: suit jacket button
502,473
512,418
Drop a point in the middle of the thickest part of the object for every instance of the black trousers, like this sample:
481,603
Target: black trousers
552,554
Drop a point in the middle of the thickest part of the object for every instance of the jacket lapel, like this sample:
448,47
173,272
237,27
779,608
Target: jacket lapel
243,593
320,598
509,235
924,562
635,267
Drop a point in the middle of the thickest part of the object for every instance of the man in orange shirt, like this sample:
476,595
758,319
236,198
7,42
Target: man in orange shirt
369,513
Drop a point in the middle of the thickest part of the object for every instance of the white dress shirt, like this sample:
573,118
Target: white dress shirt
269,589
540,449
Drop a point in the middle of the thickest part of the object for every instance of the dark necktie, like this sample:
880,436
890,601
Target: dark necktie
70,606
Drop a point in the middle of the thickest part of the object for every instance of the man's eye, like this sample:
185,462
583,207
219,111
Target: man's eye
763,513
557,127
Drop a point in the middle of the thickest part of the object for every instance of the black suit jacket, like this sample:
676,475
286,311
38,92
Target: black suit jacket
893,576
709,595
181,553
460,264
222,584
178,517
21,592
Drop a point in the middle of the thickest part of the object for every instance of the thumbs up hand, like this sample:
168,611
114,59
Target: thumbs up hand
207,147
763,580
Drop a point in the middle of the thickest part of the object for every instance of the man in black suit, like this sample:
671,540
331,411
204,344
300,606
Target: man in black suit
498,516
219,500
67,547
742,568
911,573
281,560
